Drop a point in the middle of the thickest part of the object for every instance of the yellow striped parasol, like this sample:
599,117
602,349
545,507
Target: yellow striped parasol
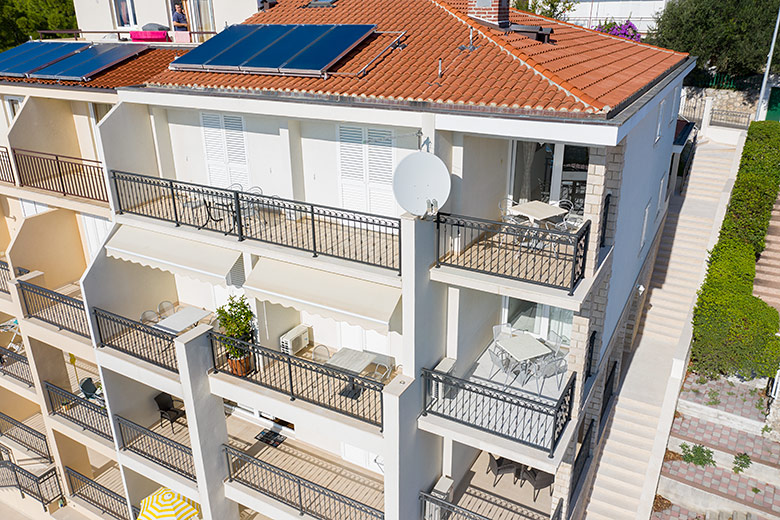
164,504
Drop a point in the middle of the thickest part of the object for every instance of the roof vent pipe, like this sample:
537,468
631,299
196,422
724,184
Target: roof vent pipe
535,32
491,12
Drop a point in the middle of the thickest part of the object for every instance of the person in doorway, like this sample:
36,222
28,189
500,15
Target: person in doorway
179,18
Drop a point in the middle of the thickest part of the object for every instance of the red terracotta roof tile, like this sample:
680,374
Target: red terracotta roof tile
579,71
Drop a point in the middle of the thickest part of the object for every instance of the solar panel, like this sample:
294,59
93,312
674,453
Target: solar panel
38,57
19,49
307,50
216,45
85,64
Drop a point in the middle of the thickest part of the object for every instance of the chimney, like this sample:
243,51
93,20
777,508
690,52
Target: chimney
492,12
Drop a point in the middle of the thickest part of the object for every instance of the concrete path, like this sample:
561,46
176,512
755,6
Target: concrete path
628,467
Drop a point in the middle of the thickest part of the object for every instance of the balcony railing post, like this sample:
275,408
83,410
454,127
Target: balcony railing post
237,213
290,375
59,174
438,240
118,193
313,232
173,203
300,498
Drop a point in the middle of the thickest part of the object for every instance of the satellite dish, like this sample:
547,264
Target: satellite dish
421,183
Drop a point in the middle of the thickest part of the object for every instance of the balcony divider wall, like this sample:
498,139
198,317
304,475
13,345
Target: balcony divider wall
297,492
31,439
298,378
64,312
528,419
153,446
83,412
108,501
320,230
16,366
5,276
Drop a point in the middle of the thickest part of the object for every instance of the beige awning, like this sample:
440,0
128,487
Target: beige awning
359,302
177,255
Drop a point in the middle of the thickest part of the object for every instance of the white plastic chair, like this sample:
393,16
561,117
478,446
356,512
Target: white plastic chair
165,309
320,354
548,367
149,318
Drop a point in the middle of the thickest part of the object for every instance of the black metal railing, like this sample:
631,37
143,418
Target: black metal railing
73,176
321,230
558,513
15,365
297,492
31,439
525,418
136,339
730,118
153,446
44,488
609,390
87,414
5,276
64,312
298,378
605,220
6,170
592,356
107,501
435,508
693,110
542,256
579,461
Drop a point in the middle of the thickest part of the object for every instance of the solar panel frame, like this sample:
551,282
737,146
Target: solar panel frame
298,64
213,47
294,44
85,64
43,57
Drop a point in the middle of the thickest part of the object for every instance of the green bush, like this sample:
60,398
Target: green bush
733,331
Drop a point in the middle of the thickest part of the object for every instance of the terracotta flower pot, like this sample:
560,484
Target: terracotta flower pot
240,367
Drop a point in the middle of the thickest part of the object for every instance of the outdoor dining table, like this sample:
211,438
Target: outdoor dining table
536,211
181,319
523,346
351,360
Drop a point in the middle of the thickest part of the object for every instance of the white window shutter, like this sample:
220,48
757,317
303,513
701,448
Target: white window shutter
380,159
214,146
352,176
235,146
95,229
30,207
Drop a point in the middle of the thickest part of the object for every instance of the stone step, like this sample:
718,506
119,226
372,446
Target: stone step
630,438
600,510
616,499
626,488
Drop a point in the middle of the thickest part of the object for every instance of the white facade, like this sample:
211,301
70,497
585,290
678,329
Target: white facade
641,12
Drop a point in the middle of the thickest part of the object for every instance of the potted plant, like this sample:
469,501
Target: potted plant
235,320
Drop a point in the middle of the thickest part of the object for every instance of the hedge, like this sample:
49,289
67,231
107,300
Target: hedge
733,331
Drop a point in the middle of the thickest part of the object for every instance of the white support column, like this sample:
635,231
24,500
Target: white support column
707,116
205,422
557,173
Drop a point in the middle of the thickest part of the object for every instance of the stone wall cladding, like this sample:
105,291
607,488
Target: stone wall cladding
736,100
605,171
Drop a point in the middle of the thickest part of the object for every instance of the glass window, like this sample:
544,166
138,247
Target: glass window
551,323
532,171
576,158
124,11
13,105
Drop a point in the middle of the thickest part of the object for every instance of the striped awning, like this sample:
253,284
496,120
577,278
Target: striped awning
164,504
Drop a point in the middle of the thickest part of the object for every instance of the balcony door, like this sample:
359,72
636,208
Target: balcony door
366,163
551,323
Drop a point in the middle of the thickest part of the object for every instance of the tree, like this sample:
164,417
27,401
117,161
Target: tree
731,36
20,20
549,8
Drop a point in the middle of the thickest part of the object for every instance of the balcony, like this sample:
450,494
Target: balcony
5,276
62,308
69,176
89,414
6,170
159,444
523,411
136,339
548,257
14,364
320,230
98,492
27,433
302,476
44,487
481,495
303,378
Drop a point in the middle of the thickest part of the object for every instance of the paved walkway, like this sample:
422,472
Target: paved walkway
738,399
629,461
676,513
729,440
727,484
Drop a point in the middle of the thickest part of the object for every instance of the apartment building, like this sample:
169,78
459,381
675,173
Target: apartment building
379,382
641,12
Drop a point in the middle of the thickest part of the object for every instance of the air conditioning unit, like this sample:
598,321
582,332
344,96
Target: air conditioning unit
294,339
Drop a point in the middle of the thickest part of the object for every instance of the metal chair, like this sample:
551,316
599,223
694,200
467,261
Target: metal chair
504,364
320,354
165,403
236,187
500,467
548,367
165,309
255,190
88,388
538,479
381,372
149,318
